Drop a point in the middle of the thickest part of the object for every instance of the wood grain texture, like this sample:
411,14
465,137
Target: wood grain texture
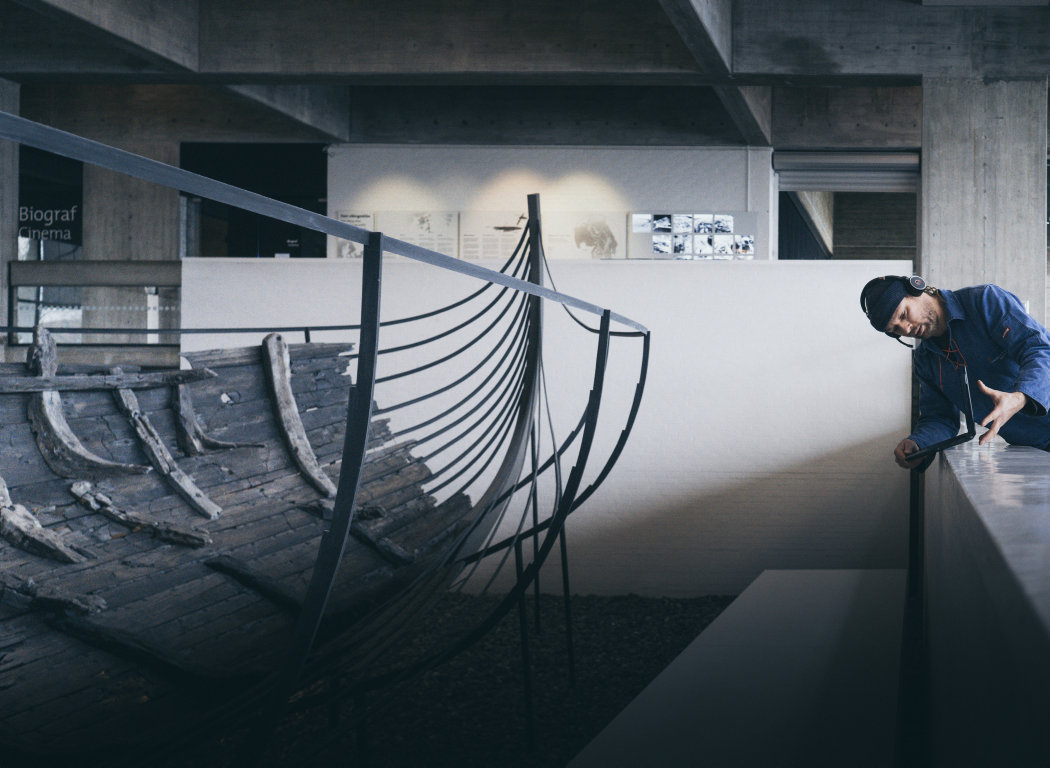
278,370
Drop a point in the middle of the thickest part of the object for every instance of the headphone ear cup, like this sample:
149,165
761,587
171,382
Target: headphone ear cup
916,285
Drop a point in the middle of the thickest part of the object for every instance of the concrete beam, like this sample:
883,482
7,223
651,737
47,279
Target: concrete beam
751,108
482,115
38,46
847,118
324,108
122,114
164,32
985,2
404,38
706,30
818,212
848,38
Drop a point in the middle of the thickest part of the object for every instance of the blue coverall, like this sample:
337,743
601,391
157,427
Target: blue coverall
1000,344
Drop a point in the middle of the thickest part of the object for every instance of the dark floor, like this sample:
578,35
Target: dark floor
470,711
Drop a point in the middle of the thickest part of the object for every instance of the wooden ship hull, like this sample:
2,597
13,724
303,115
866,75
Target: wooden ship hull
186,551
160,530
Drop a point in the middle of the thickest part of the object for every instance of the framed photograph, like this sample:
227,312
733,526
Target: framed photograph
641,222
661,222
682,246
723,224
703,223
702,247
744,246
662,245
723,246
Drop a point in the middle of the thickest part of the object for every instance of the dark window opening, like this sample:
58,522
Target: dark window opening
291,173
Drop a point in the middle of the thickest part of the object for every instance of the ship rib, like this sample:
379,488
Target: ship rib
278,372
160,457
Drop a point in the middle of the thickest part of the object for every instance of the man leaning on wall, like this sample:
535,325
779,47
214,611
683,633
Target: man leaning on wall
982,331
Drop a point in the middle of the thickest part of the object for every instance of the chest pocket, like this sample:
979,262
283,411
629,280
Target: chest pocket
1000,335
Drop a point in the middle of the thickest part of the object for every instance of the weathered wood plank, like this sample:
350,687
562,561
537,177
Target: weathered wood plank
252,355
256,580
19,527
60,447
85,383
47,597
128,645
427,532
162,459
190,436
63,451
103,505
277,364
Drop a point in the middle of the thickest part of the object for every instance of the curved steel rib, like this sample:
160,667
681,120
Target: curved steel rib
333,543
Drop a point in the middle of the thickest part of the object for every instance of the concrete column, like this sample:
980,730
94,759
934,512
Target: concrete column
126,219
9,102
982,204
762,195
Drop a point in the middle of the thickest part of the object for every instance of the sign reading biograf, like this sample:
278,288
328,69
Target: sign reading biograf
49,223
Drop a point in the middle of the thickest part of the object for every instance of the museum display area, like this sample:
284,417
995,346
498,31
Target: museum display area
321,318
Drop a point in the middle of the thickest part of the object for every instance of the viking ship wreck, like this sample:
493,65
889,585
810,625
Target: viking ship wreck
184,548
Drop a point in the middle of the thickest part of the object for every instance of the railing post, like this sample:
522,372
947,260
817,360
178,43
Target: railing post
333,543
570,647
535,275
526,660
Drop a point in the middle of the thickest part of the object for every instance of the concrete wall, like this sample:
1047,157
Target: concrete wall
765,437
988,606
983,202
819,208
876,225
9,93
381,177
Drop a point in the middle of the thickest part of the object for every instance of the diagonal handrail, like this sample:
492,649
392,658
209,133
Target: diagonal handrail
75,147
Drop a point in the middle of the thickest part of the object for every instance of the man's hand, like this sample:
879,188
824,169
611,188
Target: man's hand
1004,406
904,447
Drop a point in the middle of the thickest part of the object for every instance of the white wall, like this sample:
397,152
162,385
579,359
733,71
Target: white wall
442,178
765,436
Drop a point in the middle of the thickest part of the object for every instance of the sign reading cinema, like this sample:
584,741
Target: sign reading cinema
47,223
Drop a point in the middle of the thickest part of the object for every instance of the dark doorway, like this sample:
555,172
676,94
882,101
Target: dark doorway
291,173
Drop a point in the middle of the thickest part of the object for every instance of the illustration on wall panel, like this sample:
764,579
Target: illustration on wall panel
585,235
347,249
691,236
434,230
567,234
490,234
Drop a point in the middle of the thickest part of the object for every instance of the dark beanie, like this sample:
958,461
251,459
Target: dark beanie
880,299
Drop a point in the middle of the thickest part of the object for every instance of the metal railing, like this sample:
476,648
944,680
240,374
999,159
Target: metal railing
483,433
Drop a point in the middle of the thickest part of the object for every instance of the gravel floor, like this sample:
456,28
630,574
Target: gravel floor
470,711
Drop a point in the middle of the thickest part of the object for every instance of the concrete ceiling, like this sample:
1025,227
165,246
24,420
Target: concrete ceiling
807,74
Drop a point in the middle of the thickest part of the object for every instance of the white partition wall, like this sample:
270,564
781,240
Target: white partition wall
765,436
613,182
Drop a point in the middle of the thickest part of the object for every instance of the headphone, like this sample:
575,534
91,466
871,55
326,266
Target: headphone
913,286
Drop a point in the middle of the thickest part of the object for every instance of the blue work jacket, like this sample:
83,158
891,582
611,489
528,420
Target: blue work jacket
999,343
